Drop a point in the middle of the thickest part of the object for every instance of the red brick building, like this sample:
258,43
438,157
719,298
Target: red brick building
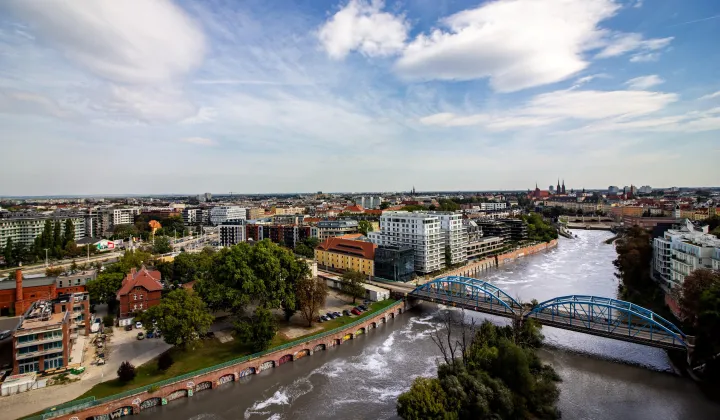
17,296
43,340
141,289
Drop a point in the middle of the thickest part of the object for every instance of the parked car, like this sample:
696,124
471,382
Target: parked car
330,315
336,313
320,319
158,334
346,312
138,325
100,362
149,334
356,311
325,318
363,307
140,336
128,327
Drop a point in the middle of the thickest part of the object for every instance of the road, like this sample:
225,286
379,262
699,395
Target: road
40,268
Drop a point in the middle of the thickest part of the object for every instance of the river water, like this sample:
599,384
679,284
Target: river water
602,378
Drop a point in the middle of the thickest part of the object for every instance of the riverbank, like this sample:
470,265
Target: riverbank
160,393
499,260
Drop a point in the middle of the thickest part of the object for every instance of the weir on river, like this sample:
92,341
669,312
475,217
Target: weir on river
602,378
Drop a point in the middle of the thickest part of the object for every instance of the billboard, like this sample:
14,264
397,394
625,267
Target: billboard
105,245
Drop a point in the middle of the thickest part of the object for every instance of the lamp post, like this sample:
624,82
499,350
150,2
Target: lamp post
46,257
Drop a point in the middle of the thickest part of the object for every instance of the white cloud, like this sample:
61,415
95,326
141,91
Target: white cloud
644,82
622,43
644,58
362,26
690,122
516,43
21,102
201,141
133,41
553,107
637,4
710,96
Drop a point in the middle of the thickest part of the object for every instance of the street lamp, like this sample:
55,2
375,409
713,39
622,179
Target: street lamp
46,257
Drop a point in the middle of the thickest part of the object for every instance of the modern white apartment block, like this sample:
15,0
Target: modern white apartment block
420,231
222,214
369,202
454,235
716,259
24,230
124,216
681,251
493,206
232,232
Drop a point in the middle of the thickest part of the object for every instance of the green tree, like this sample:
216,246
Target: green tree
54,271
364,227
104,287
414,207
126,372
165,361
302,249
125,231
69,234
353,284
634,254
258,330
384,205
162,245
47,235
312,242
426,400
8,253
488,374
693,287
57,238
311,294
182,317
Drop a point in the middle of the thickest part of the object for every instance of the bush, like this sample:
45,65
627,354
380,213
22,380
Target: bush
126,372
153,388
108,320
165,361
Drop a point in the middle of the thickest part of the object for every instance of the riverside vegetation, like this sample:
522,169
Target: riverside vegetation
489,372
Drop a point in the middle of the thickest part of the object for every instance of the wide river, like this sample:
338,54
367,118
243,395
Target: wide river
602,378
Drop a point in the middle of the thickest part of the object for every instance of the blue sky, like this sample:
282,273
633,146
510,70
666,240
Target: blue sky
362,95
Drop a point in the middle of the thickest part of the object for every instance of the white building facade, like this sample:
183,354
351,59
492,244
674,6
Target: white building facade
420,231
369,202
493,206
454,236
232,232
24,230
681,251
222,214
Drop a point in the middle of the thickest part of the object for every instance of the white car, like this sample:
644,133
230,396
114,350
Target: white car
138,325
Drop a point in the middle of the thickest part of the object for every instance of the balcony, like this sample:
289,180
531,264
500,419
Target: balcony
40,341
43,352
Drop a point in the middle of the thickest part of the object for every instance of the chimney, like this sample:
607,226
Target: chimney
18,285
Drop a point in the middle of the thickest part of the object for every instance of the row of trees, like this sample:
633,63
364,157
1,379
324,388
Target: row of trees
57,238
171,226
488,372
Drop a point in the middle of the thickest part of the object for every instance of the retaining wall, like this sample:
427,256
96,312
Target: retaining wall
469,270
185,388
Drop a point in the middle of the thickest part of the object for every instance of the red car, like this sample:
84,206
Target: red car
356,311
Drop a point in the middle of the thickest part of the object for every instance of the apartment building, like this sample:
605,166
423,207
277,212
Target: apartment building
479,246
289,210
232,232
716,259
681,251
24,229
517,228
420,231
369,202
122,216
221,214
493,206
43,339
454,235
494,228
329,228
254,213
192,216
340,254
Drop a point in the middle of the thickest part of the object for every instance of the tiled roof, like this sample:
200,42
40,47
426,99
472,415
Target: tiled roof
147,279
348,246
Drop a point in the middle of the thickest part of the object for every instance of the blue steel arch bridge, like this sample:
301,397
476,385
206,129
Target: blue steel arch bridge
594,315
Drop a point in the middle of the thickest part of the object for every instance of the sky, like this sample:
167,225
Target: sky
150,97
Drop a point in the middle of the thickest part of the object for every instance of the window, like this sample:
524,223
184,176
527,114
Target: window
60,283
134,307
141,296
27,338
141,305
134,297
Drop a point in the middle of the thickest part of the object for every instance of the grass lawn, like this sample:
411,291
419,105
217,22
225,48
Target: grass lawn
211,352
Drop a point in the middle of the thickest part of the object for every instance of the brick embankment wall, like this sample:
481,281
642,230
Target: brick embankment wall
133,404
471,269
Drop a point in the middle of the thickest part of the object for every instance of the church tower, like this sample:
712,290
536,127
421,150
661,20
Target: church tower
557,189
563,187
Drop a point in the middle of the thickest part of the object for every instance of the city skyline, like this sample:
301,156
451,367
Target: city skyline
162,97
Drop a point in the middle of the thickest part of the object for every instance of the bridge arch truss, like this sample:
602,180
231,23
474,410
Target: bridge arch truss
609,317
469,293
